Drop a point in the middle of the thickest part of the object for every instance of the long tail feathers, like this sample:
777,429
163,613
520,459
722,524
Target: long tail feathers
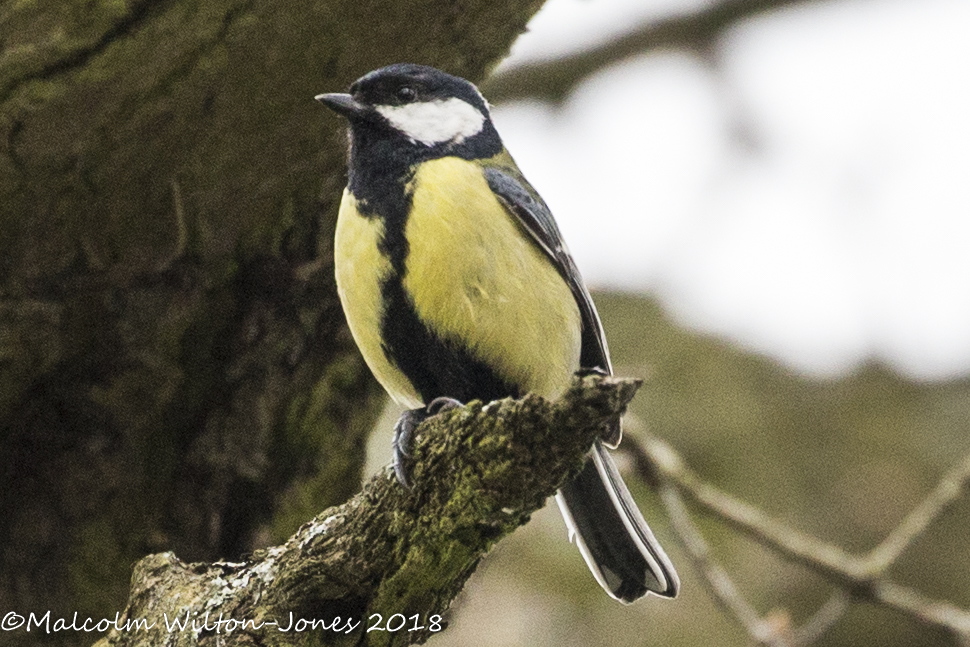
615,541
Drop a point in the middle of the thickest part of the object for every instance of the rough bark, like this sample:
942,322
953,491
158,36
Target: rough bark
175,371
391,557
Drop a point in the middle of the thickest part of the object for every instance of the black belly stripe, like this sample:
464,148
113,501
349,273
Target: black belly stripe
380,172
434,366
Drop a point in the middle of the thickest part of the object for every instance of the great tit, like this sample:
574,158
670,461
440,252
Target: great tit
457,285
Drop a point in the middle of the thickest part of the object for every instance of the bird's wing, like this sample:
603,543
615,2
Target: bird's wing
523,202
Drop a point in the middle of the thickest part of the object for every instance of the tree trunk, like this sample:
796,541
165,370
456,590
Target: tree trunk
175,370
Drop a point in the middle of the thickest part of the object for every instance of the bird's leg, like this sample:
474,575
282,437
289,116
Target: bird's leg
404,432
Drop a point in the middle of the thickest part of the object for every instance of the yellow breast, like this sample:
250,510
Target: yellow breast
360,268
475,277
478,279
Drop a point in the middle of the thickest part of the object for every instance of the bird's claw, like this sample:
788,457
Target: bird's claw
404,433
442,404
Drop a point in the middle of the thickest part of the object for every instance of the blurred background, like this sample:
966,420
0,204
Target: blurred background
775,221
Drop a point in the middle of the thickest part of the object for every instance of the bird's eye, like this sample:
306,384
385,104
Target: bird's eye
406,93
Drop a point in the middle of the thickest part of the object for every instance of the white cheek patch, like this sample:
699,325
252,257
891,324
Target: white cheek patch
435,122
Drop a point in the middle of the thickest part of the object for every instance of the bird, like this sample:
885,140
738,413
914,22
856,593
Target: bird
457,285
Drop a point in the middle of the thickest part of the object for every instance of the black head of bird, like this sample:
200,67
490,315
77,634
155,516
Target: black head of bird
420,110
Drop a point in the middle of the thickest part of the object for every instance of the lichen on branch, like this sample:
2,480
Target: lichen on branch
479,472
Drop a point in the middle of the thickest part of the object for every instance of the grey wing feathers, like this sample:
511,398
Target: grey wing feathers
612,536
524,203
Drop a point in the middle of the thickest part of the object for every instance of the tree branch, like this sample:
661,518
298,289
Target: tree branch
553,80
718,582
946,492
479,472
864,577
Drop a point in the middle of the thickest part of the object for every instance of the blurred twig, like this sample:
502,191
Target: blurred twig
863,577
766,631
826,616
946,492
552,80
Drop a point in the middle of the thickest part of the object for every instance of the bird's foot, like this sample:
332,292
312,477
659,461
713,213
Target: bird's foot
404,433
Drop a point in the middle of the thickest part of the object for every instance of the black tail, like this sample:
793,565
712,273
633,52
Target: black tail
615,541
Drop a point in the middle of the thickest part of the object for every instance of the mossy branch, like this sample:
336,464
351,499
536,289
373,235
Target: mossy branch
480,471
